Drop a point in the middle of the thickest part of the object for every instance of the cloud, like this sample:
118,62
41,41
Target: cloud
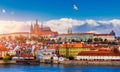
61,25
14,26
92,22
92,31
75,7
115,22
89,25
3,11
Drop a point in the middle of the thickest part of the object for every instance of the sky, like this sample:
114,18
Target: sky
99,16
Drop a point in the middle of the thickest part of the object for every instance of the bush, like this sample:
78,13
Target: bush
7,57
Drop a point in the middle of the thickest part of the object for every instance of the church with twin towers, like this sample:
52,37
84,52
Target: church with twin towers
41,30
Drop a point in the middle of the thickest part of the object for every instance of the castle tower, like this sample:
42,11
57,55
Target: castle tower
36,27
31,29
69,30
113,33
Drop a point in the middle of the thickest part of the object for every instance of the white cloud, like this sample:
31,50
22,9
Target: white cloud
115,22
92,22
61,25
92,31
3,11
104,22
103,26
13,26
75,7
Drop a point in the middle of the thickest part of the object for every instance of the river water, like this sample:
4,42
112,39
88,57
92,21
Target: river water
56,68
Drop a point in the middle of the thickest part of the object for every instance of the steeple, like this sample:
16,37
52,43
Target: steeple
113,33
36,21
69,30
31,28
41,25
36,27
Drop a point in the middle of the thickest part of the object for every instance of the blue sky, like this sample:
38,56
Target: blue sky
54,9
47,10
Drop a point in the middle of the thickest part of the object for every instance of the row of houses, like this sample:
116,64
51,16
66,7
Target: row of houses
46,52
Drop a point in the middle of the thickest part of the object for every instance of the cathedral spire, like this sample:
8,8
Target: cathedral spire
36,21
69,30
31,28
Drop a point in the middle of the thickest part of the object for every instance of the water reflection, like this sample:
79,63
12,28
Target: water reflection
56,68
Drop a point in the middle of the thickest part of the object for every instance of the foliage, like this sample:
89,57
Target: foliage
6,58
89,40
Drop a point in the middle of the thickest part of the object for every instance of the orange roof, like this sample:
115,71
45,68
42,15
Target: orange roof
44,33
104,49
103,35
97,53
3,48
27,55
75,45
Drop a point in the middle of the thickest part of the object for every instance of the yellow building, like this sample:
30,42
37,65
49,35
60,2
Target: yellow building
68,50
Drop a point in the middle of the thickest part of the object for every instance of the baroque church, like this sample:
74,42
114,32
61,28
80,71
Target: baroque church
41,30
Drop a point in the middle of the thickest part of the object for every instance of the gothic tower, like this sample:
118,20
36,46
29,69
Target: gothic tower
69,30
36,27
31,29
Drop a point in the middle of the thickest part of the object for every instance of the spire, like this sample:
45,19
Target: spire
36,27
112,32
36,21
41,25
31,28
69,30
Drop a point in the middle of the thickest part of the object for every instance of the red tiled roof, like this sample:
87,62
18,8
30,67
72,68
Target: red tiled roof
103,35
97,53
27,55
3,48
46,33
20,33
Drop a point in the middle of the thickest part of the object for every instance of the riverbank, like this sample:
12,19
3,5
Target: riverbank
76,62
8,62
91,63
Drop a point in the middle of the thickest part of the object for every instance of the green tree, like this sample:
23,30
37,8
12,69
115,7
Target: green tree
89,40
105,41
6,58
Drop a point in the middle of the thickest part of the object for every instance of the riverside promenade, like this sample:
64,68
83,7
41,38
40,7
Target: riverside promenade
91,63
8,62
77,62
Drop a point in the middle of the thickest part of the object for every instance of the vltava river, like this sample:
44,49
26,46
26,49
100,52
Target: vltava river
56,68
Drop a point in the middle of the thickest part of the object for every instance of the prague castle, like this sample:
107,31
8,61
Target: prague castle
42,31
35,30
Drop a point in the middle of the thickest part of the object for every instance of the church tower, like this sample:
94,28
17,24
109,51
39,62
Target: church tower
36,27
31,29
113,33
69,30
